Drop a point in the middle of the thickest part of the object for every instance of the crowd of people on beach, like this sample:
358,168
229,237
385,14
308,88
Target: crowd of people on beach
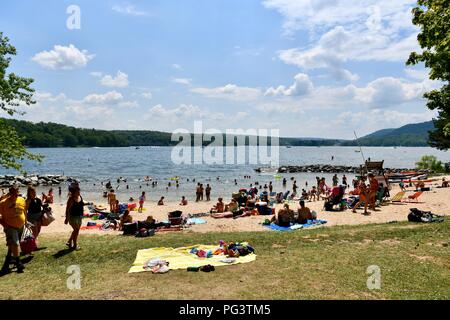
18,213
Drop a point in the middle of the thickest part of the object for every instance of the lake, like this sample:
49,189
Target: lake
94,165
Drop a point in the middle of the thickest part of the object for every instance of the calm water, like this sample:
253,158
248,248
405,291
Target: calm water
93,165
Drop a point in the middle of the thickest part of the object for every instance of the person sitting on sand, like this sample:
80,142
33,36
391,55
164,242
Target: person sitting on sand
219,207
233,205
250,204
444,183
313,194
184,201
283,217
304,213
48,198
305,195
161,201
419,185
125,218
150,223
234,211
279,198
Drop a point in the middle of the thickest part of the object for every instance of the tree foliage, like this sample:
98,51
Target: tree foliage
430,163
14,90
433,18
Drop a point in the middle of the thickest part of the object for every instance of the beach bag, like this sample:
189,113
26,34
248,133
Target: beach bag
47,218
328,206
143,233
415,215
130,229
27,242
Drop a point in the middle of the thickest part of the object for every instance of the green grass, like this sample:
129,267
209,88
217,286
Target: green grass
325,263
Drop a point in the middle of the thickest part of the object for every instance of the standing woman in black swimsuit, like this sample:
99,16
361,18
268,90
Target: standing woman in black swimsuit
74,215
34,211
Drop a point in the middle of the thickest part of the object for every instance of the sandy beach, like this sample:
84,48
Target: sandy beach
437,200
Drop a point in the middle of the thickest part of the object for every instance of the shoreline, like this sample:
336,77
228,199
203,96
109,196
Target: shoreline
435,200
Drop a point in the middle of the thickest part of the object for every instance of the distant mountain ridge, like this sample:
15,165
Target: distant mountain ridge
50,135
409,135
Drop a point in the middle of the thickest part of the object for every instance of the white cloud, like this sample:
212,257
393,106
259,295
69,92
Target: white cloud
417,74
183,111
40,96
302,85
387,91
342,31
61,57
369,121
325,14
147,95
111,97
176,66
88,112
182,81
119,81
129,104
129,9
229,91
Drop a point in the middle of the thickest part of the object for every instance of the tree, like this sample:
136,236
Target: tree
433,18
13,91
430,163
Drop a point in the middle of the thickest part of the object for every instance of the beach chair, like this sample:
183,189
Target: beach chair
415,196
398,197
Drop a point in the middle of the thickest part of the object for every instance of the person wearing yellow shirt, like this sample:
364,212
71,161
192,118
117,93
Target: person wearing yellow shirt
13,219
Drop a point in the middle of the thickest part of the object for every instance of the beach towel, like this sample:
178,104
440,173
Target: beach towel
181,258
311,223
195,221
92,227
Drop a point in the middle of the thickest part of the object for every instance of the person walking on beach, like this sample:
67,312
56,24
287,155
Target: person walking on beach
34,211
344,180
294,187
270,187
373,189
74,215
363,197
141,201
13,220
208,192
111,200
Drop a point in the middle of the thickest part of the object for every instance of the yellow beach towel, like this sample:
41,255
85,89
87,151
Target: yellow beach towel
180,258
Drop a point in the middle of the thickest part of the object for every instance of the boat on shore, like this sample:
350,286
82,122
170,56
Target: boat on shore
407,176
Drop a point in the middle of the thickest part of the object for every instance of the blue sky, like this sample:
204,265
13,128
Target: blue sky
307,67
